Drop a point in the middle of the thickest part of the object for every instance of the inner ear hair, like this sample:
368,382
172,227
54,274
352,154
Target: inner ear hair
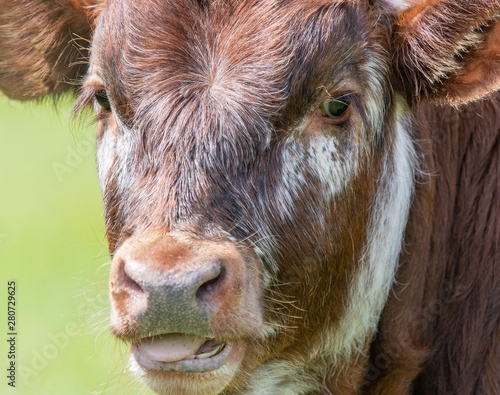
449,51
44,46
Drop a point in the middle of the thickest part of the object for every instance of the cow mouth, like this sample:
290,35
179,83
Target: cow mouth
180,353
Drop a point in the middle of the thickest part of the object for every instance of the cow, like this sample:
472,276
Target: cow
300,197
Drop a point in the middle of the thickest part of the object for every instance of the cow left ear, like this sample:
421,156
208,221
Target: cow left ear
449,51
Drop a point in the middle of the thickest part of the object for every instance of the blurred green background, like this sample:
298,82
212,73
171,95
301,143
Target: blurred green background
52,243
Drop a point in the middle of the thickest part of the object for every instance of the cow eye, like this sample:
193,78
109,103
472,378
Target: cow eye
101,97
335,107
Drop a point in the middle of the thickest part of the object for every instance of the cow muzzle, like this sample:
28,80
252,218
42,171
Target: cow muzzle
185,304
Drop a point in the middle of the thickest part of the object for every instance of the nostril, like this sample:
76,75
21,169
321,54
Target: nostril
128,282
211,283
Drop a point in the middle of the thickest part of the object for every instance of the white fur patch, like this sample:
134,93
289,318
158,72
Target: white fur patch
292,180
323,159
105,157
400,5
281,377
333,169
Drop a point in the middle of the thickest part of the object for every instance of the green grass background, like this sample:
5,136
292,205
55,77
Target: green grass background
52,243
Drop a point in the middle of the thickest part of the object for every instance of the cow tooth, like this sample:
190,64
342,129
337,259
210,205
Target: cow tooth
207,354
218,350
211,354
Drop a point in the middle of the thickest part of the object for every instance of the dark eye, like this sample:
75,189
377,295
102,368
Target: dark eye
101,96
335,107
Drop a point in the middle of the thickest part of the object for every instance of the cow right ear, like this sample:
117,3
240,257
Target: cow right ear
43,45
449,51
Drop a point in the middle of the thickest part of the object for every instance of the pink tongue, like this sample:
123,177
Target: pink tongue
171,348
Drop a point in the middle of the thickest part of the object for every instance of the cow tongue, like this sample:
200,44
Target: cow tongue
171,348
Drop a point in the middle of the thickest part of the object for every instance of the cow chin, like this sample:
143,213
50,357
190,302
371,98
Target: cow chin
188,378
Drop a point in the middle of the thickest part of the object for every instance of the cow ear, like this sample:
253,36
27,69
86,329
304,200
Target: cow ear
43,45
449,51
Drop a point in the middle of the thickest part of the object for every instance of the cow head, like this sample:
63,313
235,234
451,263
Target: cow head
256,166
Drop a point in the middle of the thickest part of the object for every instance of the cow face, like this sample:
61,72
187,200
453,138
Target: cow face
240,147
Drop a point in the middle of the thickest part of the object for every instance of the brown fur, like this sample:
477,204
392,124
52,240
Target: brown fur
447,304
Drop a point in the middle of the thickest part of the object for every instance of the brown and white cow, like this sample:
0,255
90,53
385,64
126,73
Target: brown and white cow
301,196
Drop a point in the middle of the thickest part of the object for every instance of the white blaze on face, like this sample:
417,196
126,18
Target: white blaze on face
333,168
320,158
105,157
113,152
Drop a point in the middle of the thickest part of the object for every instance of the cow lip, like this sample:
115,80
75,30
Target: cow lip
198,362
